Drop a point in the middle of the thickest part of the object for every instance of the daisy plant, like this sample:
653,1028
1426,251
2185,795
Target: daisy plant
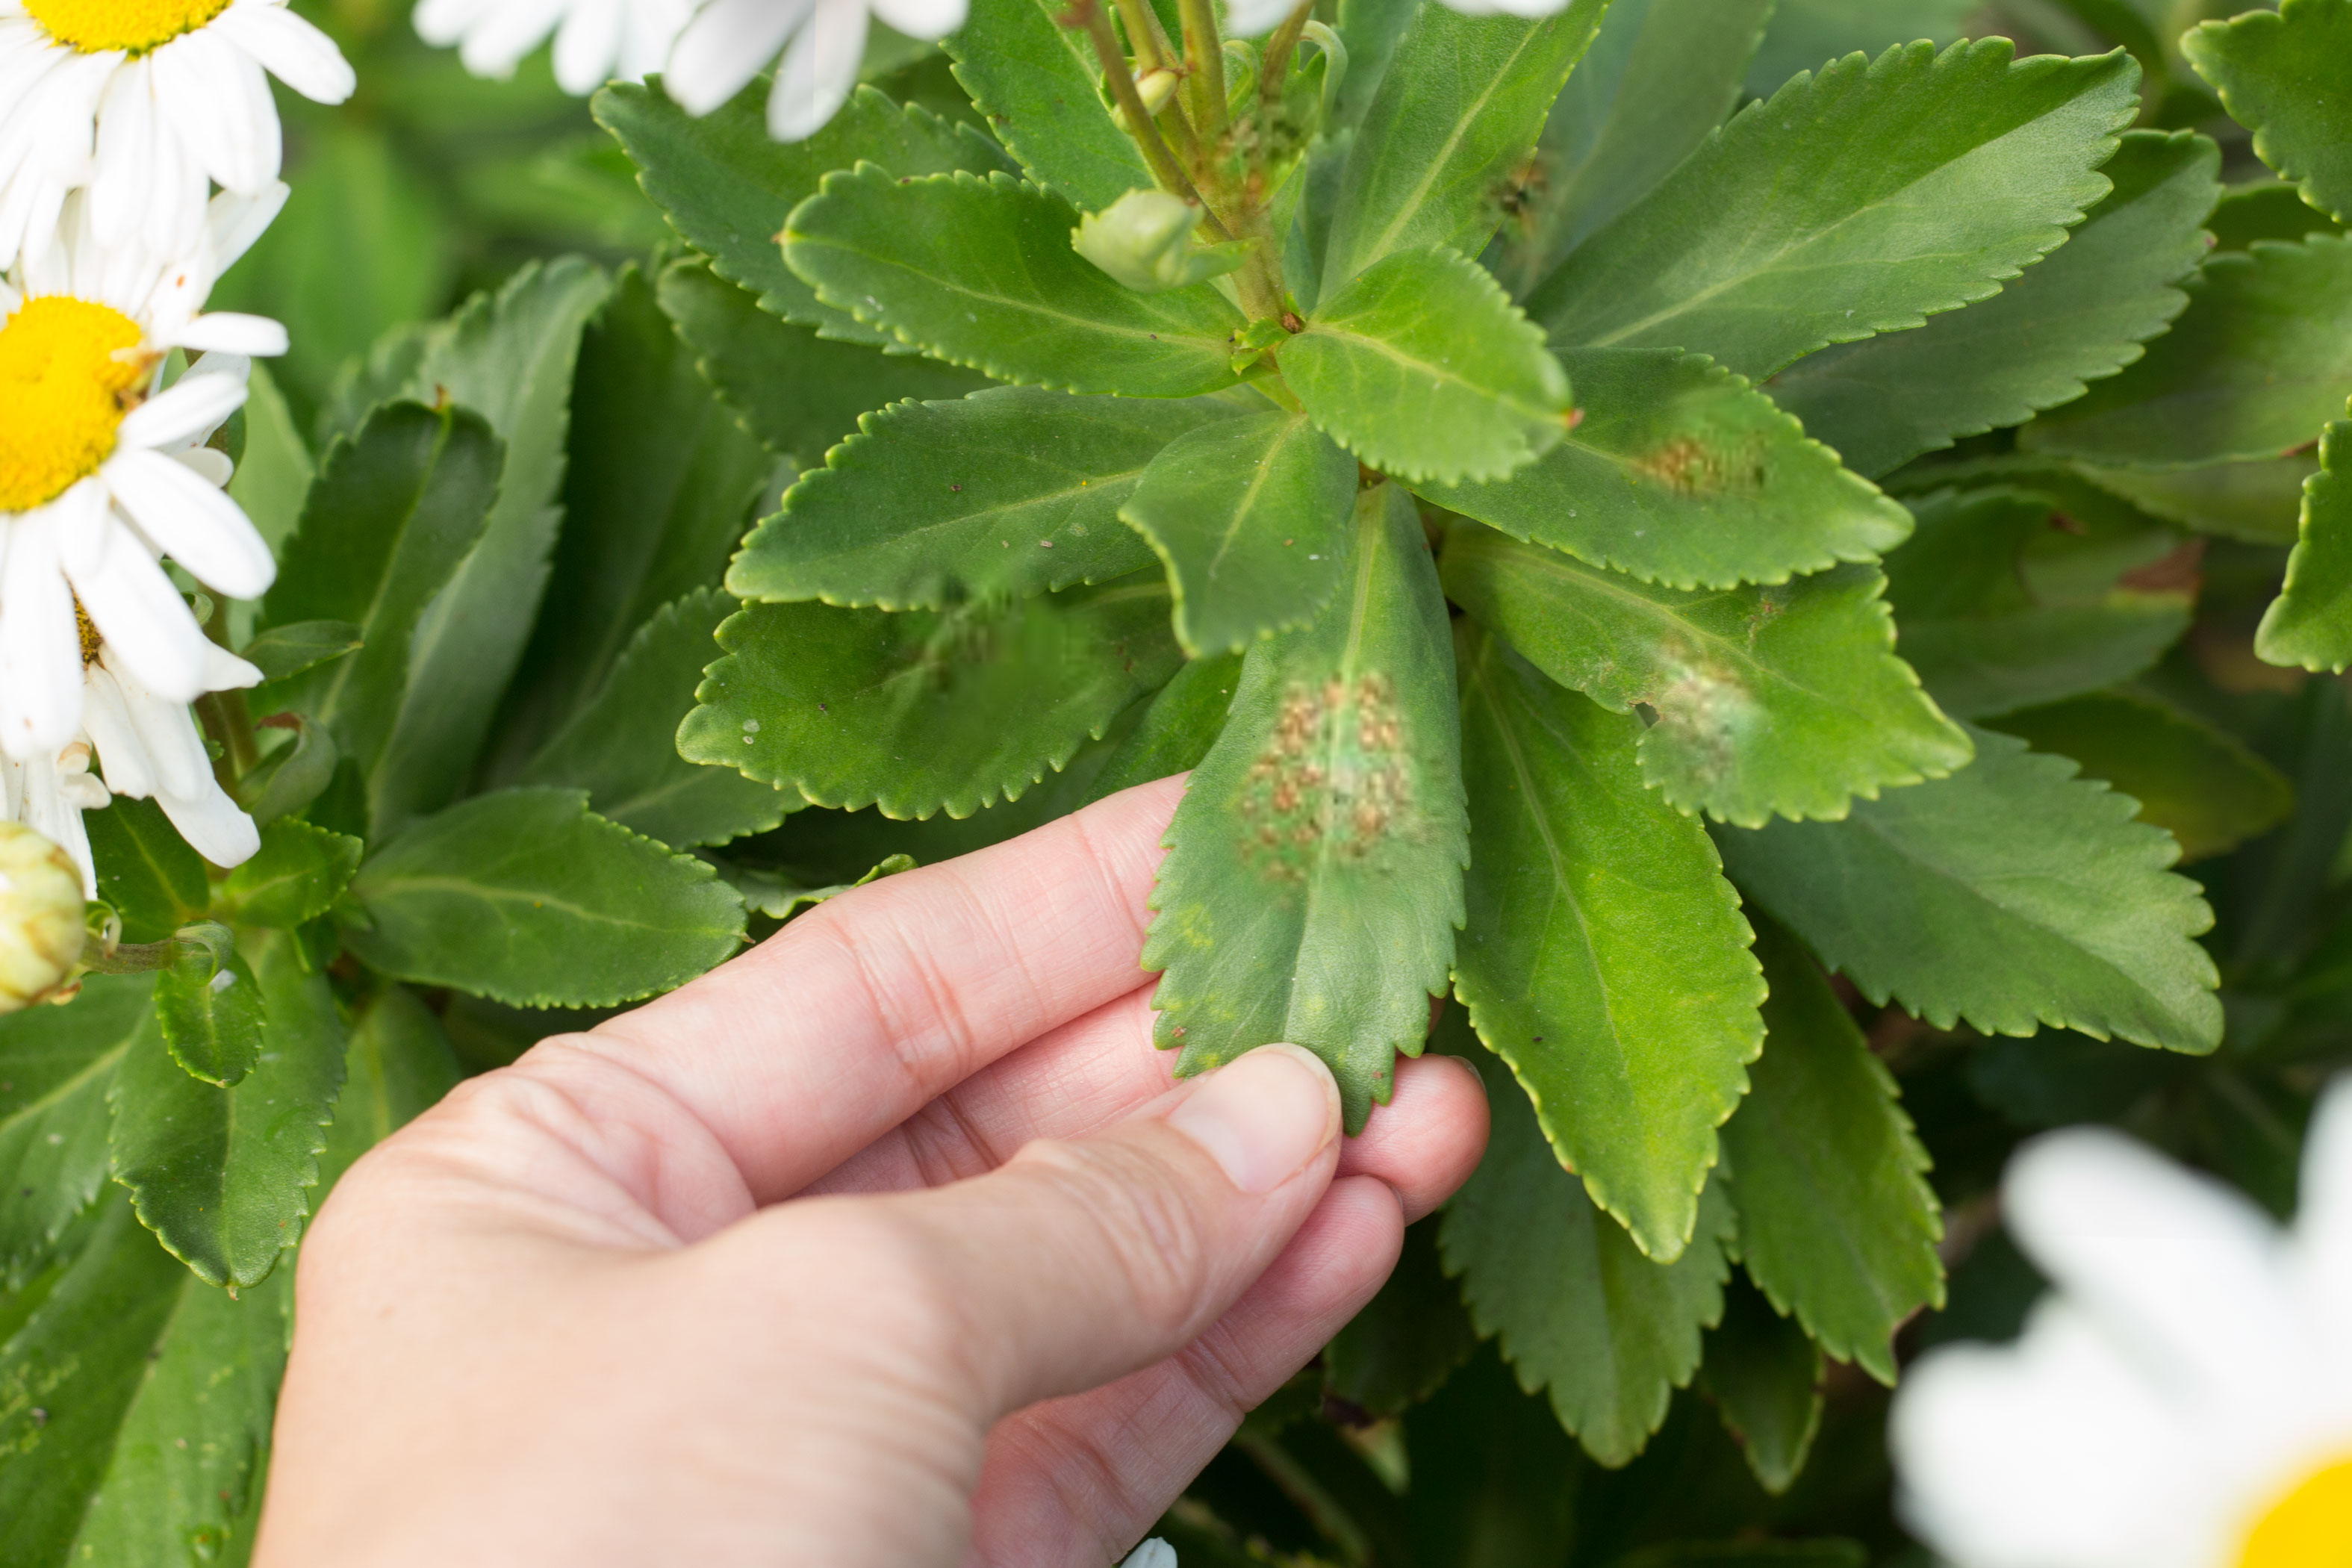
1754,574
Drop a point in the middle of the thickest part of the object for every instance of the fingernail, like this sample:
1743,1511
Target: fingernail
1263,1116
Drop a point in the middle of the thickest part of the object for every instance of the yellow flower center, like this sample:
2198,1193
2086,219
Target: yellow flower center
67,370
2311,1527
94,27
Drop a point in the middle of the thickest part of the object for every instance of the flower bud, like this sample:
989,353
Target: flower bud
1145,240
40,916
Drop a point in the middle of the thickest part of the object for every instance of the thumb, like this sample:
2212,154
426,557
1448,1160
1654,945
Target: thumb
1078,1262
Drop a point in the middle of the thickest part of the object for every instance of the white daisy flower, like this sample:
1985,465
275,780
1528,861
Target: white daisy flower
595,40
144,101
731,41
101,475
2182,1399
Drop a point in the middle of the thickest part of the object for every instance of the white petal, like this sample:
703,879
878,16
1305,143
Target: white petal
122,757
224,672
1248,18
193,406
40,646
727,44
83,525
232,331
928,18
291,49
168,733
819,71
587,46
148,629
192,523
652,27
233,222
209,464
497,43
122,187
47,813
212,824
443,22
216,96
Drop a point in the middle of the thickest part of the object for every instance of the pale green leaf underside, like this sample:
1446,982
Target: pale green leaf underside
2310,623
1605,958
2286,75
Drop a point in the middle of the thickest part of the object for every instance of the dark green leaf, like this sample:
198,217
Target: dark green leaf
925,711
295,877
286,650
1579,1311
1764,1375
1455,115
1000,495
1313,885
2310,624
1035,79
1253,517
1681,473
1830,1552
145,869
780,896
1862,200
1837,1222
527,897
2267,211
2260,360
210,1008
2282,75
1423,368
1176,731
981,273
2010,895
1495,1481
399,1065
224,1175
621,746
294,776
1407,1339
55,1065
1605,958
1806,33
2073,318
1786,698
2196,783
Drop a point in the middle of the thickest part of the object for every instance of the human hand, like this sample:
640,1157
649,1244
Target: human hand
888,1243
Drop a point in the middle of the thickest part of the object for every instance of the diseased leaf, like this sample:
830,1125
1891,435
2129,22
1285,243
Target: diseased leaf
1681,473
1764,1375
2310,623
1787,699
1253,517
145,869
1396,1351
294,877
1862,200
981,273
57,1063
621,747
211,1011
224,1175
1605,958
1312,886
2077,316
925,711
1453,119
1035,81
1176,730
1837,1222
2281,75
2011,895
1580,1313
1000,495
2258,362
2196,783
1425,369
527,897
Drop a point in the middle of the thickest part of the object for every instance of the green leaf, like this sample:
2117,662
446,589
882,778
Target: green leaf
1764,1375
1659,77
1313,882
2010,895
277,469
1495,1482
1975,634
224,1175
294,877
1805,33
1407,1339
1861,201
55,1064
2196,783
2078,316
1253,517
141,1398
780,896
1035,81
1423,368
399,1065
1455,115
527,897
728,186
2281,75
1581,1314
145,869
2310,623
2255,501
1786,698
2258,362
2267,211
291,778
981,273
1829,1552
289,650
394,511
621,746
1000,495
925,711
1837,1222
1605,958
798,392
211,1009
1681,473
1176,730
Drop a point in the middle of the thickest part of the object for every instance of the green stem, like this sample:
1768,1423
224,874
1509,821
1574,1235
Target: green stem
1140,123
226,715
1152,49
1204,60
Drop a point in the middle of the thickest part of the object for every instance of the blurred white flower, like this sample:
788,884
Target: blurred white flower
2182,1399
101,475
1153,1554
145,101
731,41
595,40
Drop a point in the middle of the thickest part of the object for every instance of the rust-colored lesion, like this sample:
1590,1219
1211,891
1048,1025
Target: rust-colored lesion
1332,776
1688,465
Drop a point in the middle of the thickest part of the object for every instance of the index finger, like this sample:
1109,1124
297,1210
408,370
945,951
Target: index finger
803,1051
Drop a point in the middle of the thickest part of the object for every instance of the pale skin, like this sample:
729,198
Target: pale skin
890,1243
